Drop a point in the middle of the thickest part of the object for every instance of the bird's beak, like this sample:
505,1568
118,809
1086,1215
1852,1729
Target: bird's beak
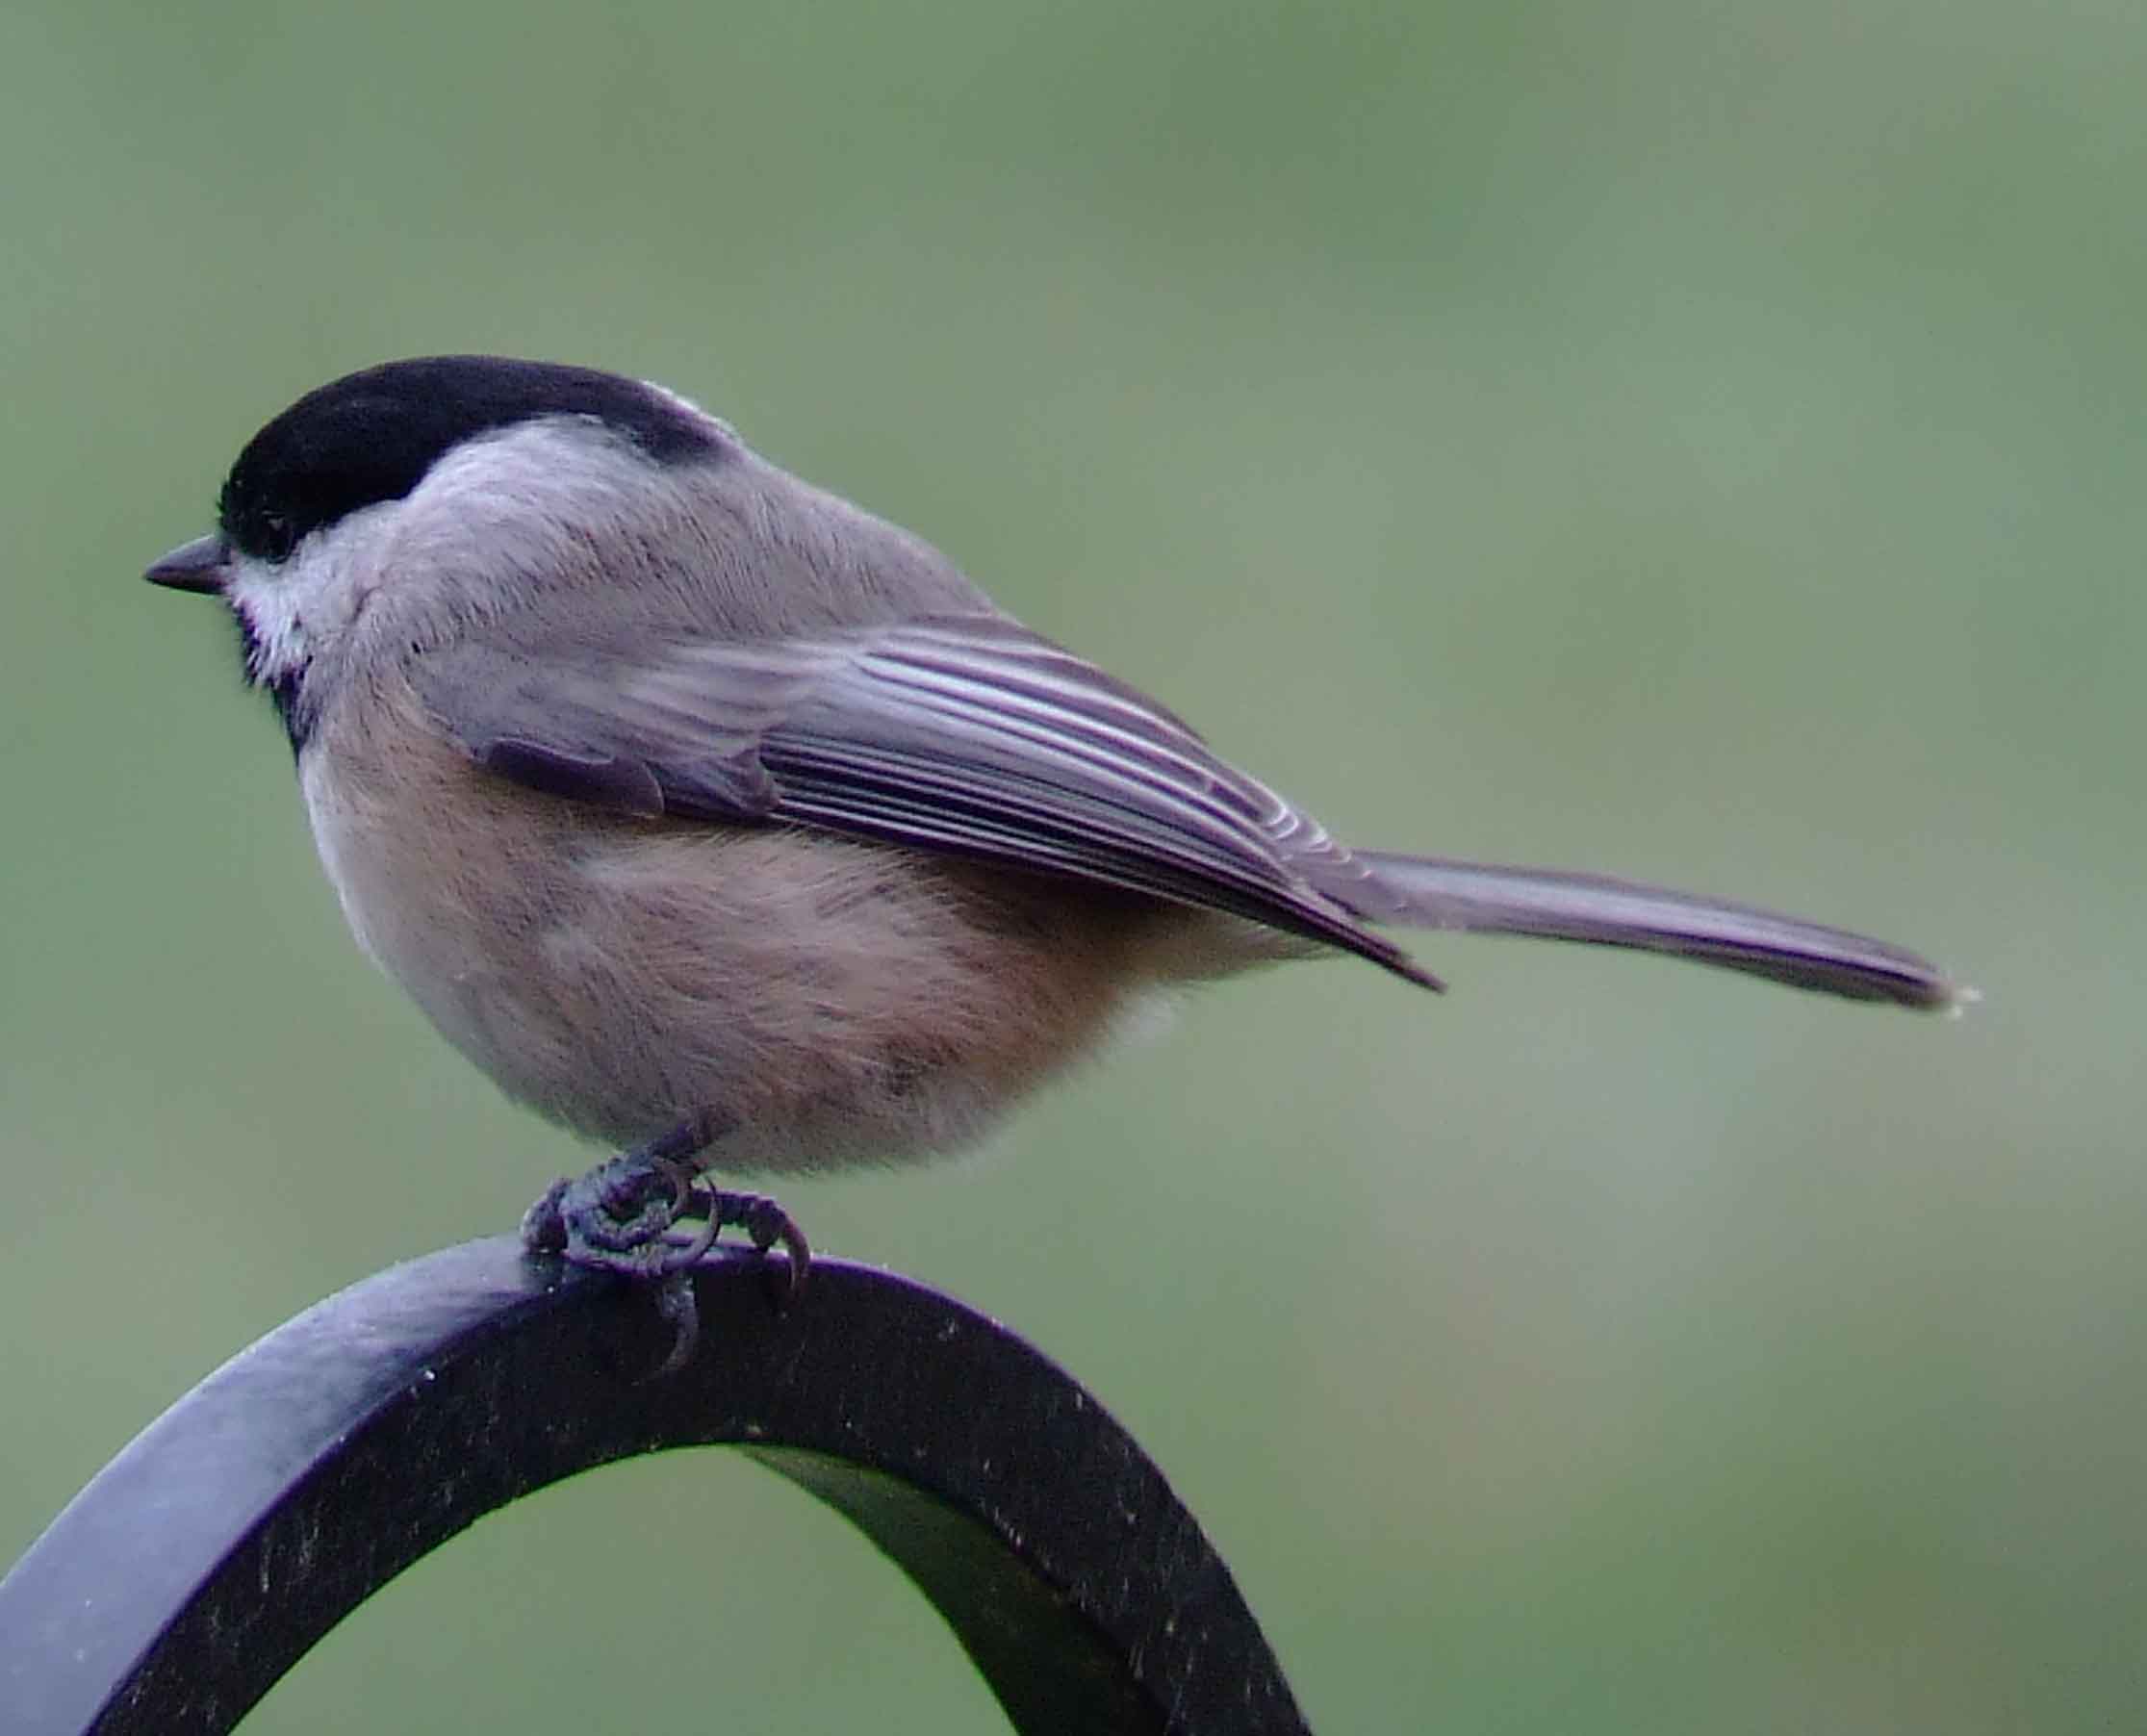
197,566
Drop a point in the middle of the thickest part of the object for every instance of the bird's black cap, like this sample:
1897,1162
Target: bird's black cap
372,436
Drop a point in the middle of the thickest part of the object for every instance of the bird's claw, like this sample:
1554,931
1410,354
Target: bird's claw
647,1216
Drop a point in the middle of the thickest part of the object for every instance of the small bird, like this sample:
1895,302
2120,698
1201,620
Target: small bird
719,820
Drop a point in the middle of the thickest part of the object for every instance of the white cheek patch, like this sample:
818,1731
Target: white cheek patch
274,622
300,606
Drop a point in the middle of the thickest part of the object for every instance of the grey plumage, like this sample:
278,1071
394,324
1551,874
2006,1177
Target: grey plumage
674,787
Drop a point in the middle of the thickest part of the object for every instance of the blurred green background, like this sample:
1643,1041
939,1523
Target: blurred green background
1696,441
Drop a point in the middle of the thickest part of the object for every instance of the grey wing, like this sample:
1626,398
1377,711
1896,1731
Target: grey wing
967,734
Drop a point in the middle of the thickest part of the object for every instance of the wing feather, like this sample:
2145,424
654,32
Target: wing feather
968,736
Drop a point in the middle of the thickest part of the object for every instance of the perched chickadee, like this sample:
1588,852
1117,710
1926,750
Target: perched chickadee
719,820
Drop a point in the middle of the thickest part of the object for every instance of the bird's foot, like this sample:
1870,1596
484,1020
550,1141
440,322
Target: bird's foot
646,1216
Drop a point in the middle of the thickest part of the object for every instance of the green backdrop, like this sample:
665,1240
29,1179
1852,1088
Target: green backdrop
1698,440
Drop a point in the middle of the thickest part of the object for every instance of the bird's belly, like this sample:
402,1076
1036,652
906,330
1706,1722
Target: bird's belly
835,1002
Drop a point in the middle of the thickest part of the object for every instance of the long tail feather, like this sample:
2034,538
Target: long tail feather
1481,898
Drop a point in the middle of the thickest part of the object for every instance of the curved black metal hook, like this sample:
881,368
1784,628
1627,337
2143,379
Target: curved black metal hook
199,1565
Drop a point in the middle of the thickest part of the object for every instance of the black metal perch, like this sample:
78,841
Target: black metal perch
204,1561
